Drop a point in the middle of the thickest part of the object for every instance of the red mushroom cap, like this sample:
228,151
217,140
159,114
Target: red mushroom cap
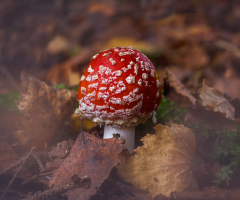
120,87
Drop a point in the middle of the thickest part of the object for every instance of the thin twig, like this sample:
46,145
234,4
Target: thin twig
38,162
30,179
35,177
15,175
12,166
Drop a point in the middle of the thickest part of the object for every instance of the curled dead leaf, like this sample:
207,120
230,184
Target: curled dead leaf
214,100
179,87
163,163
44,108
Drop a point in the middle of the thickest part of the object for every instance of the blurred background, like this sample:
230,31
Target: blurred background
54,40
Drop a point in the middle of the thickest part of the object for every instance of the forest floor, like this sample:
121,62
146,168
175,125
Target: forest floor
45,47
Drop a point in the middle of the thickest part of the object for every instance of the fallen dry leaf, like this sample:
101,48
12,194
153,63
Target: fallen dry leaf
174,28
52,165
44,109
172,20
61,149
182,43
214,100
63,73
57,44
70,71
104,8
179,87
191,56
162,164
94,159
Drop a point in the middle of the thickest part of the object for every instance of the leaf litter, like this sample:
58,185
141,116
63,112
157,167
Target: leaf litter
65,166
185,40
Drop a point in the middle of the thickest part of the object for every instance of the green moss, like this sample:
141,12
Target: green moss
8,100
65,86
223,174
168,110
226,152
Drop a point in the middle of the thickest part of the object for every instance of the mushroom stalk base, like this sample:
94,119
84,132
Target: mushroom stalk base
125,133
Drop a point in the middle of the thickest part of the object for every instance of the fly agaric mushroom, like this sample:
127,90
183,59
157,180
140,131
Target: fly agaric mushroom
119,89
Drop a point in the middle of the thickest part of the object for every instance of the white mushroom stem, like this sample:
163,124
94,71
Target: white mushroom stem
125,133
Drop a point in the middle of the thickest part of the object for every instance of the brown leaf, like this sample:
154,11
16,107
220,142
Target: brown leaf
162,164
94,159
175,29
63,73
44,108
191,56
214,100
179,87
103,8
58,44
69,71
52,165
60,150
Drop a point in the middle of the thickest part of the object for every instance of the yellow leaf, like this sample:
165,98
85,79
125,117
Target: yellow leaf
172,20
142,46
162,164
57,44
75,123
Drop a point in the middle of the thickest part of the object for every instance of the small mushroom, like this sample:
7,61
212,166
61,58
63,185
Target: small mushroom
119,89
